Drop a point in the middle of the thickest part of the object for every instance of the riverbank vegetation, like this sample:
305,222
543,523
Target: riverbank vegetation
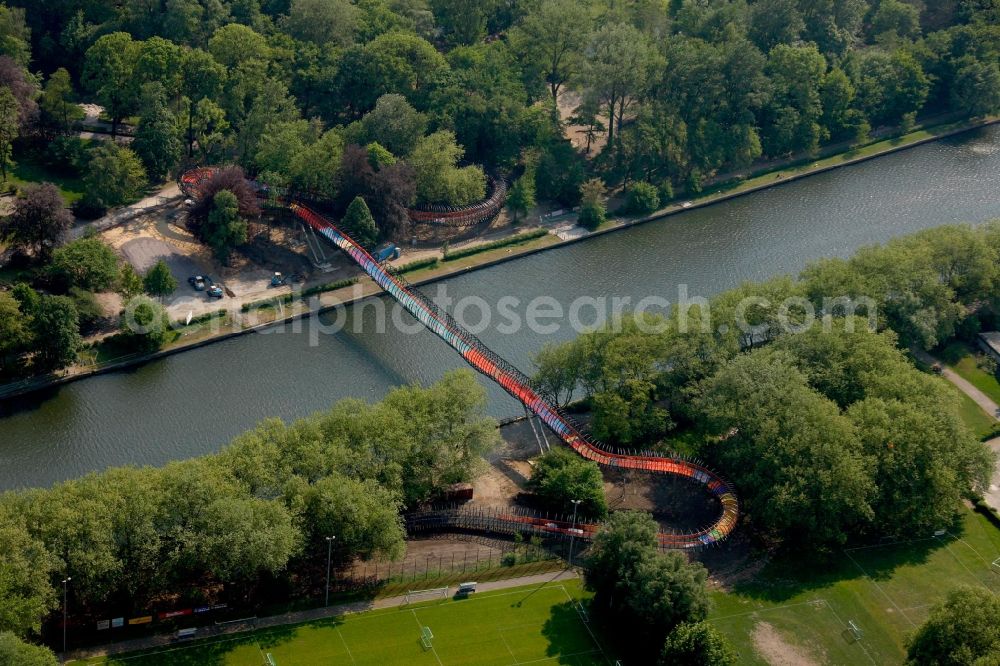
247,523
394,105
822,422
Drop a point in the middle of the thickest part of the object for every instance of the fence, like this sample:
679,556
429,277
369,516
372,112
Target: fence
507,560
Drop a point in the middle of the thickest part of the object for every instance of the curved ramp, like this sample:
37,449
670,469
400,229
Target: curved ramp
512,380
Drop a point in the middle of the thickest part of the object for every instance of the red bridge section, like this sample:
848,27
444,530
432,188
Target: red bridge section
484,360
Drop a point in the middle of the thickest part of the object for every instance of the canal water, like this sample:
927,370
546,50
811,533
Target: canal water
192,403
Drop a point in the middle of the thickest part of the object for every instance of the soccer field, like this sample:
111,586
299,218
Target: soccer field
528,625
800,612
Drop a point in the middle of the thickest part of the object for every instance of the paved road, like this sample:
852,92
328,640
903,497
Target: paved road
964,386
300,617
992,494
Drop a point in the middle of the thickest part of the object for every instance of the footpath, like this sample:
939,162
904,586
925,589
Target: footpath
298,617
992,494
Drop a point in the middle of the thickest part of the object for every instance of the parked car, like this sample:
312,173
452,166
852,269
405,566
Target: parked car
215,291
198,282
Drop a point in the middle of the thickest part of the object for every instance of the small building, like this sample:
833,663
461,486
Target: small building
989,342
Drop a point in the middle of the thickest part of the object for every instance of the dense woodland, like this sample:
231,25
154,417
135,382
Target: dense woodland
828,431
378,105
252,517
411,100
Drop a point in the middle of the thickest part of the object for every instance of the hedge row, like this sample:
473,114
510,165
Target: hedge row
486,247
427,262
305,293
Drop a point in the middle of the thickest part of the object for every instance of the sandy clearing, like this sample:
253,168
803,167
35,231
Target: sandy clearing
775,650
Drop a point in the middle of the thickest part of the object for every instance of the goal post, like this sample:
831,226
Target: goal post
426,638
414,596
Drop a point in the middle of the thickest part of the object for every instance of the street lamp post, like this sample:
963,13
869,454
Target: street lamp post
572,534
65,583
329,551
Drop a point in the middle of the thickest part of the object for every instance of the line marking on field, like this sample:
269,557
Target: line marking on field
879,588
500,631
890,543
561,656
433,651
346,647
846,627
767,610
974,576
587,627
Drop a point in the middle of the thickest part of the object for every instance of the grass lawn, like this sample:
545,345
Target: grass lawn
800,609
961,358
537,624
27,172
979,421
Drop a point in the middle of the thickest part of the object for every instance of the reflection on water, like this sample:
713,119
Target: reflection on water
191,403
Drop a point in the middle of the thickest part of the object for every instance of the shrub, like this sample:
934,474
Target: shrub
642,199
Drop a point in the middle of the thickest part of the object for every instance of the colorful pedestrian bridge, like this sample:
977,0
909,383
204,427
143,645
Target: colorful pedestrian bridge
518,385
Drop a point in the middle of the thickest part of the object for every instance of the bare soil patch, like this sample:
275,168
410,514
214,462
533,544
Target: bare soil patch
775,650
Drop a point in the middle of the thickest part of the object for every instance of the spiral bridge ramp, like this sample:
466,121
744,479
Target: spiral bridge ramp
518,385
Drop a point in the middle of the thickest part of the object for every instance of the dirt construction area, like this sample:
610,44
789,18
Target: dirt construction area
161,235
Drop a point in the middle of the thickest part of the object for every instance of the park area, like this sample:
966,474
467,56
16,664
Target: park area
801,611
536,624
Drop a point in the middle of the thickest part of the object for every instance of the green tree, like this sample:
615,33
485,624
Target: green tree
235,43
976,87
9,128
439,180
322,22
107,72
237,539
87,263
15,36
801,471
116,175
643,198
840,119
25,593
774,22
130,283
962,631
363,515
521,196
157,138
894,19
15,651
462,21
201,82
795,108
358,221
159,281
561,476
619,60
624,541
557,371
224,228
14,332
552,37
58,108
56,328
144,325
890,86
38,221
394,124
697,644
640,589
592,211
